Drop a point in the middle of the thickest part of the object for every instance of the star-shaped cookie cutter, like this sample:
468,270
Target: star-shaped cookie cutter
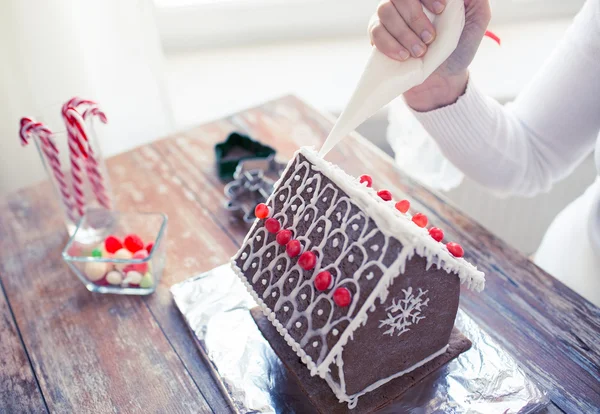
252,184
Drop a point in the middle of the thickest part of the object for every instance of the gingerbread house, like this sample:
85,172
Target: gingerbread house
358,287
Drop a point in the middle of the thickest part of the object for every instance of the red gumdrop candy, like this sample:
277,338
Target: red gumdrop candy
283,237
149,247
456,249
366,179
272,225
307,260
385,195
323,280
112,244
436,234
420,219
261,211
403,206
133,243
342,297
293,248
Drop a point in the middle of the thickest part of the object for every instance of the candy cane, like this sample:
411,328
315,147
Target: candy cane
49,149
76,143
93,169
79,147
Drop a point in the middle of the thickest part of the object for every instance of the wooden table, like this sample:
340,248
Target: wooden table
64,349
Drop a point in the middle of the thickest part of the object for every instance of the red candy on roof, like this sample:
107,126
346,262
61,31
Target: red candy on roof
293,248
420,220
403,206
272,225
323,280
283,237
455,249
307,260
261,211
342,297
385,195
436,234
366,179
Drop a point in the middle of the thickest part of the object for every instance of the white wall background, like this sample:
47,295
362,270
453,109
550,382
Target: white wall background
52,50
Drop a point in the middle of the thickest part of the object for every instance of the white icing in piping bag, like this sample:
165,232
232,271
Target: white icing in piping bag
384,79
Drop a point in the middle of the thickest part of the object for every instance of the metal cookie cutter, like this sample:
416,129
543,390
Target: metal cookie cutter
236,149
252,183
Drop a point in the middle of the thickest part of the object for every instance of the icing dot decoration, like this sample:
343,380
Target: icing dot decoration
366,179
403,206
307,260
293,248
385,195
420,219
261,211
272,225
323,280
298,324
455,249
436,234
342,297
283,237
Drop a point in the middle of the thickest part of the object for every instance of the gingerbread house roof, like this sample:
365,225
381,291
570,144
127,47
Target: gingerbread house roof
362,240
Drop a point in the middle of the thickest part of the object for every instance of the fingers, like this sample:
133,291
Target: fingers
398,28
386,43
414,16
435,6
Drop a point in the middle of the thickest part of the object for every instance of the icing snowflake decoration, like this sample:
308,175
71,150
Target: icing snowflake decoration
403,313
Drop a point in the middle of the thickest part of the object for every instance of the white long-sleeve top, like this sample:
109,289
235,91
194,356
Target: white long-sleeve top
525,147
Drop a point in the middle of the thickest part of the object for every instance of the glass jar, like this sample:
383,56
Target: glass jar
104,268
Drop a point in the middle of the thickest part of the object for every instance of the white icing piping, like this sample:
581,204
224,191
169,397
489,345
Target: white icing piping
352,400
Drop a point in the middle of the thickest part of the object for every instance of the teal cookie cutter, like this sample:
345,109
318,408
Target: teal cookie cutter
237,148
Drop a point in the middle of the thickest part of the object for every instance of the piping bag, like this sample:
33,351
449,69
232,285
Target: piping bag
384,79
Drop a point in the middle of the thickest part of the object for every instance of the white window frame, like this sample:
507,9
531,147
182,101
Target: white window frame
188,25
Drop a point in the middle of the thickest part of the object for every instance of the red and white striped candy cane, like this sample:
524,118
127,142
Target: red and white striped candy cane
50,151
77,144
80,148
92,167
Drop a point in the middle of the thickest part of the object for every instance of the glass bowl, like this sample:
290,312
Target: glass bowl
120,272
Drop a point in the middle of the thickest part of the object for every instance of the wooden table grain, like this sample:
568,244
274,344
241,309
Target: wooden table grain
64,349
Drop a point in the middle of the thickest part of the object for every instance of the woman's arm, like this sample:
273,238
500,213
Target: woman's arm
525,147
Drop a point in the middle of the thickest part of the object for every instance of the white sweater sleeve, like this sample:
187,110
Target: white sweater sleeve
540,138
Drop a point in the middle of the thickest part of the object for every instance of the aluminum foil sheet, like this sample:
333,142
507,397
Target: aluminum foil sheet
216,306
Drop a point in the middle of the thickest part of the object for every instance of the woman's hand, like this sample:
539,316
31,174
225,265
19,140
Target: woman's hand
400,29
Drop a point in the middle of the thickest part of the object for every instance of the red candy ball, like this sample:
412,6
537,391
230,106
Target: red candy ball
437,234
261,211
420,219
366,179
133,243
323,280
403,206
385,195
342,297
283,237
112,244
272,225
455,249
293,248
307,260
149,247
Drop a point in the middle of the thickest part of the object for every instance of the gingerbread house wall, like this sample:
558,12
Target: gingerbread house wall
395,338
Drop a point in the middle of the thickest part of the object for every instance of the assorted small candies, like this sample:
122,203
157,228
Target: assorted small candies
133,275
